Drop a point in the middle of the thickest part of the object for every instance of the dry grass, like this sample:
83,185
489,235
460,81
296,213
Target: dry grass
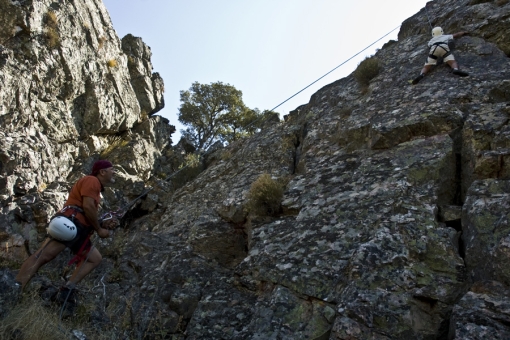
42,187
52,37
7,261
112,63
51,32
29,320
144,115
51,19
501,2
226,155
115,142
265,196
367,70
33,319
100,42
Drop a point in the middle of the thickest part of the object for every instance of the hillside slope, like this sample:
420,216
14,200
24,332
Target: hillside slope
394,222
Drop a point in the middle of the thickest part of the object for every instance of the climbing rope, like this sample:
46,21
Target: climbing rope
144,320
428,16
263,117
295,94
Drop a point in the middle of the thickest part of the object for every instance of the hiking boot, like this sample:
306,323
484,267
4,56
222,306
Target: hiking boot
417,79
460,73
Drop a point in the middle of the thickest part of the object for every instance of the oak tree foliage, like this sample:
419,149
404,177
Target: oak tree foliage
216,112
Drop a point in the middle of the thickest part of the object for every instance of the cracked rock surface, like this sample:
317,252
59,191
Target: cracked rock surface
394,222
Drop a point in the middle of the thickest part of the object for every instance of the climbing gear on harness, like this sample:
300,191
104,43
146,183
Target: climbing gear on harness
437,31
460,73
417,79
76,210
74,207
62,229
83,253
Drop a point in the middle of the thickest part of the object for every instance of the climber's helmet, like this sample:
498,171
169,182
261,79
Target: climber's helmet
437,31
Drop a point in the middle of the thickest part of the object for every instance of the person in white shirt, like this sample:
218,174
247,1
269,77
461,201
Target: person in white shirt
439,49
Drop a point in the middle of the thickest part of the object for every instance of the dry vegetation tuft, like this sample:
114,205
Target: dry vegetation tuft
51,32
144,115
265,196
100,42
51,19
367,70
29,320
112,63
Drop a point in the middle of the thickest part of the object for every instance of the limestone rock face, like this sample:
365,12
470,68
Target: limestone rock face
486,230
483,313
65,89
393,224
67,98
148,86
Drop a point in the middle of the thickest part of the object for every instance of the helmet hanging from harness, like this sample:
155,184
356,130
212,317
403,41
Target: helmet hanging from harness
61,228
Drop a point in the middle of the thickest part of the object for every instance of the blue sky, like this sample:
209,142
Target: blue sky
268,49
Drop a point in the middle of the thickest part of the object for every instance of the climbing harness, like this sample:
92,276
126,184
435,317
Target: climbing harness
440,45
60,229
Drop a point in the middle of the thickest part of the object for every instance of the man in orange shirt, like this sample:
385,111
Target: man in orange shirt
81,207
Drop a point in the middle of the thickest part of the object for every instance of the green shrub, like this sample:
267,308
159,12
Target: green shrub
191,160
265,196
367,70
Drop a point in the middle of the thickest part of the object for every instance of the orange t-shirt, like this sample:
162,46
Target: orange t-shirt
88,186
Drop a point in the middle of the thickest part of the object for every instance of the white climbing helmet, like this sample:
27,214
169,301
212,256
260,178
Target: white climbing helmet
437,31
62,229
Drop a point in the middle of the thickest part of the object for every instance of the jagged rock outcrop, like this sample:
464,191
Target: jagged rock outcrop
148,86
68,97
393,224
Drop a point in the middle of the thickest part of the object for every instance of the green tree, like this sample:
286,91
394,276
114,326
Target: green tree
246,123
209,111
239,124
216,112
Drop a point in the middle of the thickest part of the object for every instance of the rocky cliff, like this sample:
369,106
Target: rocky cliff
394,223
